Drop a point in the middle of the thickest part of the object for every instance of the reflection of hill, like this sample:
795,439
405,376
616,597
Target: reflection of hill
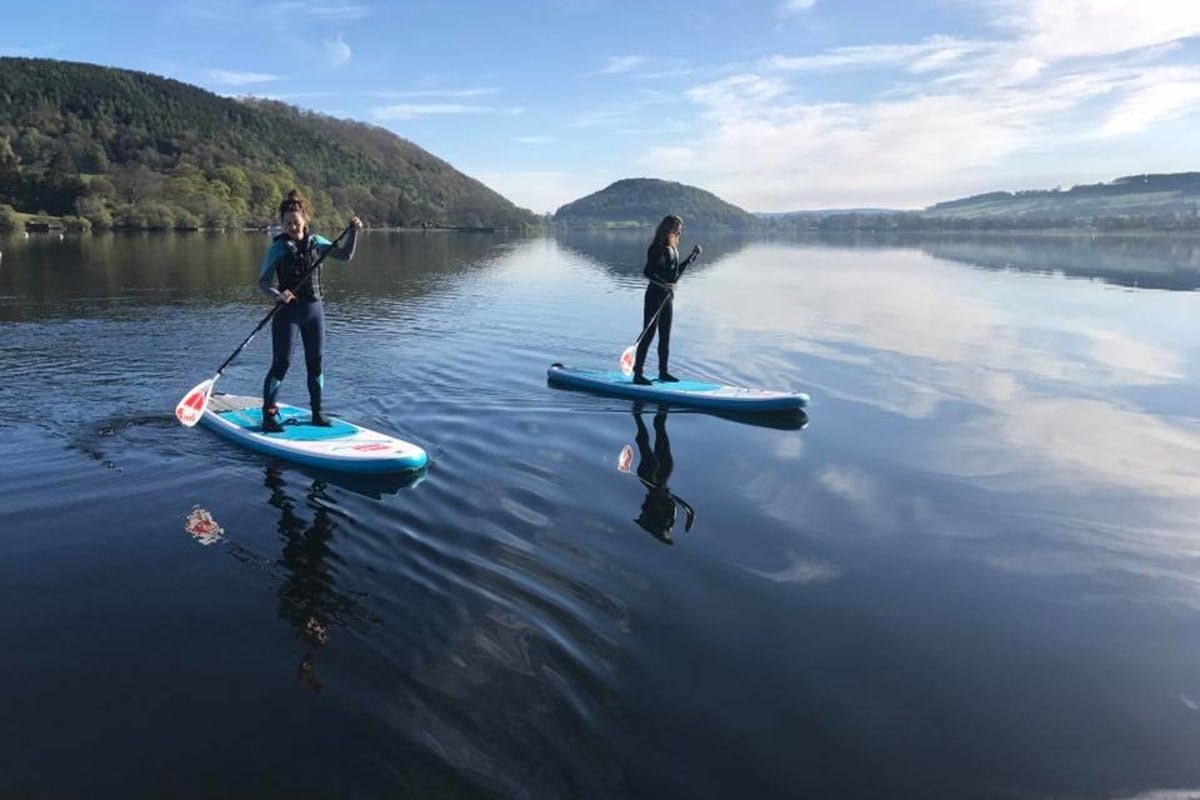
47,277
623,253
1151,261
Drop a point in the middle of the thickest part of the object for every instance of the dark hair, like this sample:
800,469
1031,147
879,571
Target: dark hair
295,202
671,222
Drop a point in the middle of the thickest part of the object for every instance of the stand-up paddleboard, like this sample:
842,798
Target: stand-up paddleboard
341,447
697,394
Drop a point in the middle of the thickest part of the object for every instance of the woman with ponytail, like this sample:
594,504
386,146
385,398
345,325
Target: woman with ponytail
286,275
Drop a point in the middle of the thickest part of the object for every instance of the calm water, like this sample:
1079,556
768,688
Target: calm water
974,573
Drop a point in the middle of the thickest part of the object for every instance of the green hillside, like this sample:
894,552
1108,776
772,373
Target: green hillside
1140,200
1169,202
645,201
115,148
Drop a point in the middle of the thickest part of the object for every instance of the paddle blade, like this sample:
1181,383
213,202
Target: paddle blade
192,406
627,360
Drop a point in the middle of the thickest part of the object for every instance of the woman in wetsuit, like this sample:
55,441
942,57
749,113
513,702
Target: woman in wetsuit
663,268
290,256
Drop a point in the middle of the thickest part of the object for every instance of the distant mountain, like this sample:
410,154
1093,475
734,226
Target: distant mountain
1169,202
1144,197
116,148
645,201
824,212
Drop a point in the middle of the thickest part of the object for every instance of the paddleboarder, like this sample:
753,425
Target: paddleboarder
663,269
287,262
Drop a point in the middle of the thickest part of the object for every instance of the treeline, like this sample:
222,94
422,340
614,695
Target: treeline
108,148
917,221
1169,203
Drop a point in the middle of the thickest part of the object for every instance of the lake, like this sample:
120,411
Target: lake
972,572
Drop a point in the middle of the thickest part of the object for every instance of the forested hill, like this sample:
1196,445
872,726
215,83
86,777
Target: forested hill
116,148
1144,197
644,201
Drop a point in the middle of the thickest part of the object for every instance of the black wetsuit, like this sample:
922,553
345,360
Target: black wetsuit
662,267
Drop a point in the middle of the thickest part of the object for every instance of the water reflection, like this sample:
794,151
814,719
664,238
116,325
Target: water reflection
1148,261
110,274
309,598
622,254
659,511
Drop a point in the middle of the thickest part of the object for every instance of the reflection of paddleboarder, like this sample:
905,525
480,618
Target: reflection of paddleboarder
308,598
659,509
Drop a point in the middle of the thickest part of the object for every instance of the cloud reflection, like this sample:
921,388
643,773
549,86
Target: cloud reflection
1043,370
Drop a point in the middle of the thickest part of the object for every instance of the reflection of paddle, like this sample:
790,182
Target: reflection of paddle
192,406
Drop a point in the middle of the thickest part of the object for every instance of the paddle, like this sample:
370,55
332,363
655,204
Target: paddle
630,354
192,406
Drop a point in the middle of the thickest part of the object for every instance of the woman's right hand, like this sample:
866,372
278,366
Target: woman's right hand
286,296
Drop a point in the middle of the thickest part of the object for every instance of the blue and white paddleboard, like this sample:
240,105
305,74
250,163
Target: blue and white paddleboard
342,447
697,394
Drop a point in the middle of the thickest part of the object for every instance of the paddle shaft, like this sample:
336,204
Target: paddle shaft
280,304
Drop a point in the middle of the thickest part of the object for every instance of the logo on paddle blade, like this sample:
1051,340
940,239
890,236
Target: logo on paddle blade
627,361
190,409
192,406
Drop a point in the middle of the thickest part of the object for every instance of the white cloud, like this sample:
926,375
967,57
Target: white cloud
953,115
601,117
924,56
1157,97
793,6
236,78
478,91
617,65
325,11
417,110
1058,29
337,51
541,191
288,96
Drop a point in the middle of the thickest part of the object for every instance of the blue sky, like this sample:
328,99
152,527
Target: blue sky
775,105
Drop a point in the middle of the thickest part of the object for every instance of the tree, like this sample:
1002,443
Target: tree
135,182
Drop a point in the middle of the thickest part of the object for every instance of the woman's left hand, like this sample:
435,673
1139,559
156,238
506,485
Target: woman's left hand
356,223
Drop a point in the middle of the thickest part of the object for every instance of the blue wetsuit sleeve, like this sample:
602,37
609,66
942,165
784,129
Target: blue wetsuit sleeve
344,251
266,272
